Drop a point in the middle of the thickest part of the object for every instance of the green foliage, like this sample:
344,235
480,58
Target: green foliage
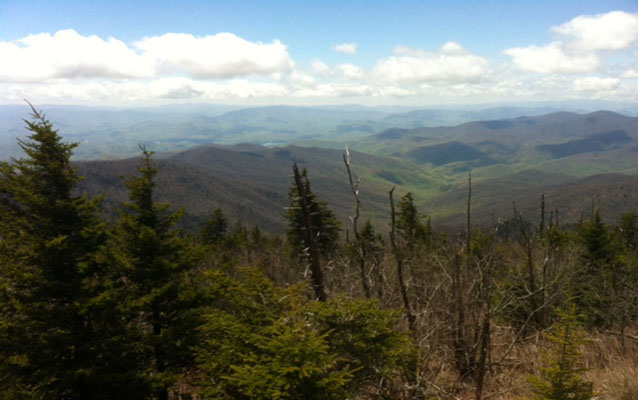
412,226
216,228
364,335
556,238
561,375
59,331
596,242
324,223
370,243
160,296
262,342
369,236
257,344
293,362
596,279
628,229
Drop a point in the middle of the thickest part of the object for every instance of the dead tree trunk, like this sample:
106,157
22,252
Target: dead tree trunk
361,248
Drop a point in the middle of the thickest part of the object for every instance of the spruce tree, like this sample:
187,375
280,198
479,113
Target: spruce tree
160,260
58,338
324,224
598,275
215,230
312,230
412,226
561,375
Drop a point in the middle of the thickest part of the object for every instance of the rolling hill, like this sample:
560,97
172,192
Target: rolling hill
251,183
112,133
573,158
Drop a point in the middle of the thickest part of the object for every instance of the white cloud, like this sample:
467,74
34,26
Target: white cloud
218,56
581,45
319,67
302,79
351,71
65,92
631,74
174,88
134,92
67,67
616,30
345,48
596,84
336,89
187,88
416,66
244,89
452,48
68,55
552,59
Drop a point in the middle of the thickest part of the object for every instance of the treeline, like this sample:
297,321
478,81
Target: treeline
139,309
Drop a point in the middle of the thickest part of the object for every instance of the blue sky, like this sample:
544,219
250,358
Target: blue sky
317,52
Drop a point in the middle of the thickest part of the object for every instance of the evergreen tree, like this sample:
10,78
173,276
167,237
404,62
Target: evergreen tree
324,224
58,335
597,277
597,247
628,229
261,341
160,298
561,375
412,226
216,229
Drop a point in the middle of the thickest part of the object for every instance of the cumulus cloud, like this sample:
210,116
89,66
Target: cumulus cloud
175,88
319,67
302,79
67,55
345,48
223,55
452,48
596,84
616,30
187,88
631,74
336,89
552,59
452,64
69,67
351,71
580,44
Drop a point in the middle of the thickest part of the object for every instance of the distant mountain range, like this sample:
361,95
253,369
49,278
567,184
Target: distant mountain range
577,160
240,159
111,133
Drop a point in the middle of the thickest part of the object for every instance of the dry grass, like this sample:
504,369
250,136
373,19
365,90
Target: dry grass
613,369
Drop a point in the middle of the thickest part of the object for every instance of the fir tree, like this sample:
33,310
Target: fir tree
58,338
561,375
412,226
324,224
598,275
216,228
161,301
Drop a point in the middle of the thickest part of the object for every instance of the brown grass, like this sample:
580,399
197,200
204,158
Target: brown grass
613,369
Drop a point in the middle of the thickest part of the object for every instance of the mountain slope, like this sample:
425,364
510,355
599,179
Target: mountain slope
251,182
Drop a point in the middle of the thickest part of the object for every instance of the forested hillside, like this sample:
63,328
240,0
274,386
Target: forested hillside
130,306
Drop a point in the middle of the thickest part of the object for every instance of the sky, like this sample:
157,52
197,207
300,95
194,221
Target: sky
128,53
